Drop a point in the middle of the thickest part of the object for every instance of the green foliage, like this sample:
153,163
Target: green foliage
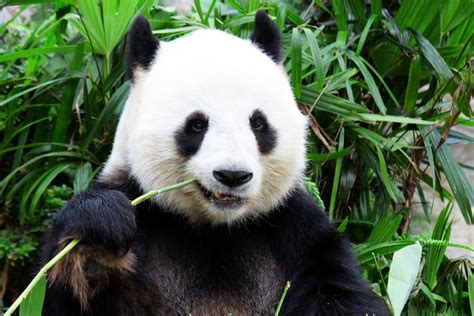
15,247
402,276
17,244
382,85
33,303
314,191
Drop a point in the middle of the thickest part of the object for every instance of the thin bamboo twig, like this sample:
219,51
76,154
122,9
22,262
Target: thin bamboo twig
280,304
152,193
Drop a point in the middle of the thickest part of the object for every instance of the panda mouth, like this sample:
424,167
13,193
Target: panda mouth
222,199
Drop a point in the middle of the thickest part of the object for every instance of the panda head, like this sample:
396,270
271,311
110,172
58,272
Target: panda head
216,108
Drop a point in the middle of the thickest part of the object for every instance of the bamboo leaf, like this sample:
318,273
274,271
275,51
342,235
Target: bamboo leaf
433,57
417,15
83,177
463,13
93,25
34,88
294,17
25,2
394,119
317,56
19,184
435,254
430,295
330,156
402,276
376,7
50,176
337,176
320,4
239,20
342,227
32,305
236,5
370,83
411,93
281,16
197,5
391,188
470,283
29,188
333,104
65,109
66,49
365,32
252,5
340,14
458,182
357,9
62,154
342,63
117,101
365,252
296,62
117,18
385,228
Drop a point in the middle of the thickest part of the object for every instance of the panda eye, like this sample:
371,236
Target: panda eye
258,121
264,132
189,136
257,124
196,123
198,126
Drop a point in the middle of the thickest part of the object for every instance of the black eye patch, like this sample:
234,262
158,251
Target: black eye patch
264,133
190,135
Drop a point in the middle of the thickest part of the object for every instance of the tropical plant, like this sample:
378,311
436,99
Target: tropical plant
382,84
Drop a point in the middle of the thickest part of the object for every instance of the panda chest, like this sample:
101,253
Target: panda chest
215,277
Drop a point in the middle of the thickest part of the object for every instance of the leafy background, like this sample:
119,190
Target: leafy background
382,82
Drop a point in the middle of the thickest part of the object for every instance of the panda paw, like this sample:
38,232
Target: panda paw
103,218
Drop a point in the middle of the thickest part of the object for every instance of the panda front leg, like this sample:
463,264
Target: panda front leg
104,222
343,291
330,282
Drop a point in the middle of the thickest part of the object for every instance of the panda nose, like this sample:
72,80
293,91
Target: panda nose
232,178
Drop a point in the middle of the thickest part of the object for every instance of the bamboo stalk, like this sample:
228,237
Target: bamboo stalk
283,295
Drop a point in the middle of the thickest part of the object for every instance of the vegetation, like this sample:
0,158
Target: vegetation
382,82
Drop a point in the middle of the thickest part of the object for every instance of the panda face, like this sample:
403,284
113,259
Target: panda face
215,108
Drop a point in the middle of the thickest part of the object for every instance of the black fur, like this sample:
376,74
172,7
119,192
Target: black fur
265,134
87,217
267,36
189,137
182,269
142,46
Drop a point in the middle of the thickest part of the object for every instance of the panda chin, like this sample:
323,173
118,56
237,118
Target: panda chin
222,200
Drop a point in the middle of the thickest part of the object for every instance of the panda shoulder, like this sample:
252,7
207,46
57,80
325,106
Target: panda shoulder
120,180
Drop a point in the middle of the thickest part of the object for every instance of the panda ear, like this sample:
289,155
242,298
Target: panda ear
267,36
141,46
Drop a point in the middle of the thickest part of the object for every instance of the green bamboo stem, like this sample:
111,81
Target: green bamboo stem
74,243
152,193
280,304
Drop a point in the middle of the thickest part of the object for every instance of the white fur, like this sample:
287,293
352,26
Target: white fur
227,78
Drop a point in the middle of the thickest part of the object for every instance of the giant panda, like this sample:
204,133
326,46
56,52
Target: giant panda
219,109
